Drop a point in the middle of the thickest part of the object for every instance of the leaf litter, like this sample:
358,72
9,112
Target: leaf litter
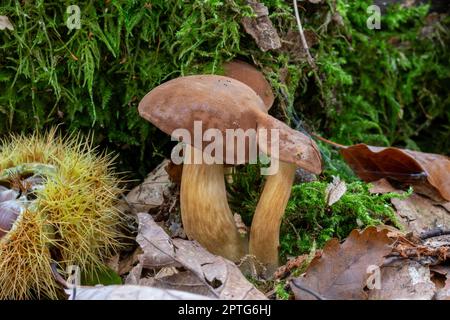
375,263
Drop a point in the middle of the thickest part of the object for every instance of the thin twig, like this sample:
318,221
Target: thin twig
434,233
302,37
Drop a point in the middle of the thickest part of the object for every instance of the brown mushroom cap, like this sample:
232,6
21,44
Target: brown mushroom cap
219,102
249,75
223,103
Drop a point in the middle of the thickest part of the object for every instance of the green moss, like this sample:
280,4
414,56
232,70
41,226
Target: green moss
367,87
308,220
93,78
383,87
281,292
245,190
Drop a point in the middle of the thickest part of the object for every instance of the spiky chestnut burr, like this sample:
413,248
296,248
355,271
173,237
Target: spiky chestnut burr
57,206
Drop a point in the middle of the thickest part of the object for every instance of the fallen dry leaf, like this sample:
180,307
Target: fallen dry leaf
181,281
211,275
442,270
440,275
113,263
334,191
261,28
150,193
341,271
383,186
428,173
166,272
446,206
437,238
130,292
443,292
5,23
416,213
419,214
404,280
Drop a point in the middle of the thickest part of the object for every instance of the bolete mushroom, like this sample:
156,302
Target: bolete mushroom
219,103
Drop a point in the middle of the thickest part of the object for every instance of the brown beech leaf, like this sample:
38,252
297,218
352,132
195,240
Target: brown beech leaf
404,279
342,270
292,43
443,292
416,213
200,271
130,292
419,214
383,186
446,206
428,173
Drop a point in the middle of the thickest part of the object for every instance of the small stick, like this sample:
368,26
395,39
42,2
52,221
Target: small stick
434,233
302,37
334,144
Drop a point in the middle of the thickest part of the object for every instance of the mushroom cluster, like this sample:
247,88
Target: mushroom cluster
239,101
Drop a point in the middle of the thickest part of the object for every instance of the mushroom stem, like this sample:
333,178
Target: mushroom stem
205,212
265,229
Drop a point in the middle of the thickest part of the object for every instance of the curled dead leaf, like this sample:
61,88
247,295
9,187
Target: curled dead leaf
404,280
428,173
203,272
341,271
